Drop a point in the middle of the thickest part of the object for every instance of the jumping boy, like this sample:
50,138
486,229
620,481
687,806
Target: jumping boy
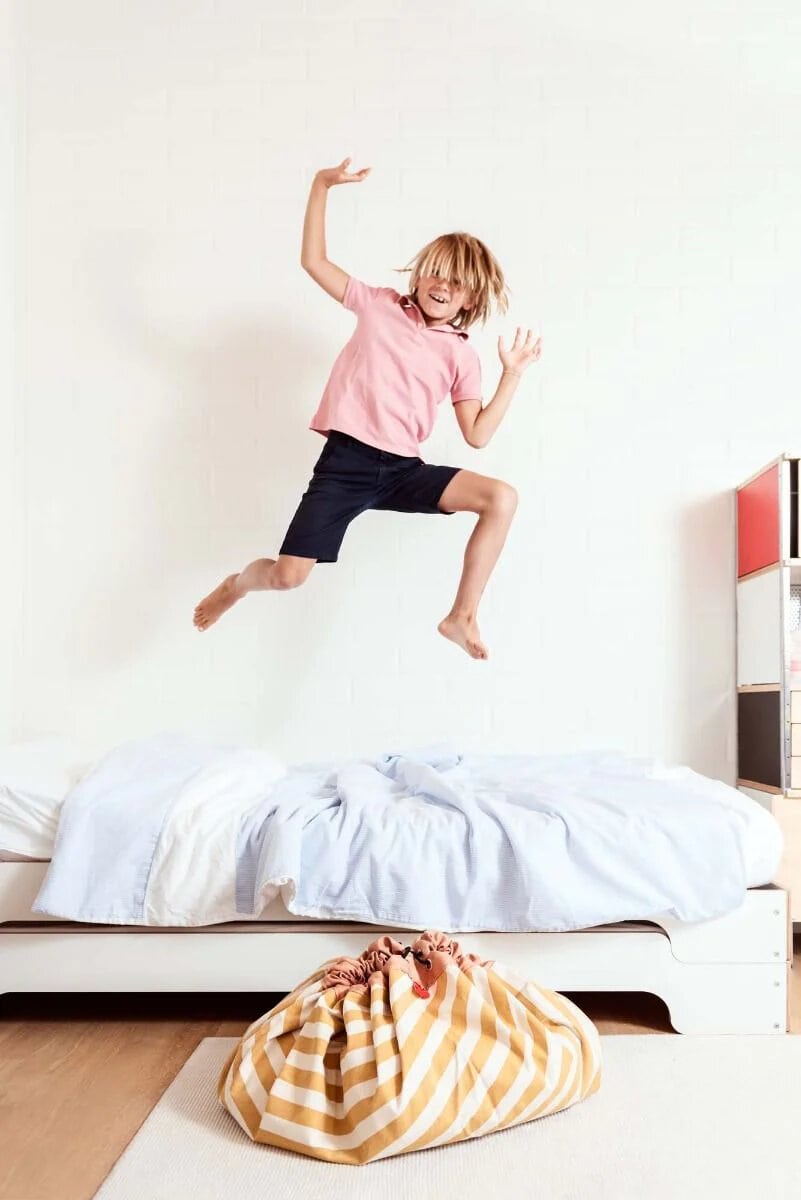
406,354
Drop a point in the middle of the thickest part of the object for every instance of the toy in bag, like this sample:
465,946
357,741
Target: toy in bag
407,1048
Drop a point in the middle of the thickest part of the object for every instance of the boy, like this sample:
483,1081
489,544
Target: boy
406,354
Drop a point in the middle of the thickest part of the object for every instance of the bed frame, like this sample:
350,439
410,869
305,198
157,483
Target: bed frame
725,976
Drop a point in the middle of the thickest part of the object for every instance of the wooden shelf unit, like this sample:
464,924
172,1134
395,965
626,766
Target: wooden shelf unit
768,513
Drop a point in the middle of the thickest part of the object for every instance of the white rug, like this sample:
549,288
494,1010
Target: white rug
676,1118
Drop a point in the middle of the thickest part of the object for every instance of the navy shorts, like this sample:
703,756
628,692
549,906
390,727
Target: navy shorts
350,477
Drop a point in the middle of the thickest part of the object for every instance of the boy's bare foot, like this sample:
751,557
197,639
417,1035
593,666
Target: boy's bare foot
216,603
464,631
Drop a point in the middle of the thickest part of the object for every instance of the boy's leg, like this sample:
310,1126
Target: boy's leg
495,502
265,574
273,574
342,486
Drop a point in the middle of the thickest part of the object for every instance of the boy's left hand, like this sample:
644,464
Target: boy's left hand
521,353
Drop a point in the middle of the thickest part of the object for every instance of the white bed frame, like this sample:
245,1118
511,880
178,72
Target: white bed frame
725,976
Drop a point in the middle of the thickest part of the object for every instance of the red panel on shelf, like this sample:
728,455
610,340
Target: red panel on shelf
758,522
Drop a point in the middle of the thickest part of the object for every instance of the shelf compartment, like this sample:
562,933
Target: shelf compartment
760,727
769,517
758,510
759,628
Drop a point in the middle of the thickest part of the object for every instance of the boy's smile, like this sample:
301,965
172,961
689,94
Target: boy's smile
440,300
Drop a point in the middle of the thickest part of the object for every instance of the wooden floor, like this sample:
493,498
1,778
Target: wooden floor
79,1074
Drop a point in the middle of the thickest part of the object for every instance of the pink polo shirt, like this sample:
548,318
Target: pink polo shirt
389,379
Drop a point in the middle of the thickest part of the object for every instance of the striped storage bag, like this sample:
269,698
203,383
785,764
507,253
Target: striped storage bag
406,1048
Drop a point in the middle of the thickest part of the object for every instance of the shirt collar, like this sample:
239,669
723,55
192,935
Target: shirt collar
407,302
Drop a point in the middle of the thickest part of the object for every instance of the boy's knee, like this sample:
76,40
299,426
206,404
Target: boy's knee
504,499
286,576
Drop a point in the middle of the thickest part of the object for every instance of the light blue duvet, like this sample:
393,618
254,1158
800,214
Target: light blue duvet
172,831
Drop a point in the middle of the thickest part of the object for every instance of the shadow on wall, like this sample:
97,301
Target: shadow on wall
222,454
704,667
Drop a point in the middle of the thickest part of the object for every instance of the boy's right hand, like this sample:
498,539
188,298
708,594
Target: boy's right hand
333,175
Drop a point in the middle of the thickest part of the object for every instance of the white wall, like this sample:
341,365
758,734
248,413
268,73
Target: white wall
11,485
635,169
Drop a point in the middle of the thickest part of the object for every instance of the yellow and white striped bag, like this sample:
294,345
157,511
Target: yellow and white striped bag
406,1048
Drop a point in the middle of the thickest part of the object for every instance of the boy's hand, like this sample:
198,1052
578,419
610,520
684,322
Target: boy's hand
521,354
333,175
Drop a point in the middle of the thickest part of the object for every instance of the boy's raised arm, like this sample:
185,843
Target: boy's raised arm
478,423
313,257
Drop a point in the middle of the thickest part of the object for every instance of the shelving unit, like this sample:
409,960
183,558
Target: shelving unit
769,653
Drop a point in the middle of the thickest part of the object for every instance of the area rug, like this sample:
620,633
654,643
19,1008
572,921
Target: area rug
676,1118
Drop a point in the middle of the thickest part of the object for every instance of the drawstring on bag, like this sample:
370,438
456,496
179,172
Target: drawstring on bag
418,956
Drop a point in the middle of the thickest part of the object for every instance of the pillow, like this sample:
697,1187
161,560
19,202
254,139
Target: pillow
35,777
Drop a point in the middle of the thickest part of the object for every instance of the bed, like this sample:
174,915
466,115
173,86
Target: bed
725,976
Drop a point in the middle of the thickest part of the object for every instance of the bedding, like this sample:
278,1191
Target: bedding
35,776
169,831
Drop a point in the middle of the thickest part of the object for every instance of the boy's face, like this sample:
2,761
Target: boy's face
441,299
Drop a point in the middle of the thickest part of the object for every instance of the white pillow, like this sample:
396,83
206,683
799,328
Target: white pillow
35,777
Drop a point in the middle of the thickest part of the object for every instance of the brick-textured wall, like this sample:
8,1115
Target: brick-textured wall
636,172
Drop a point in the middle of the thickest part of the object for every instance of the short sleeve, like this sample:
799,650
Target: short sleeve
467,382
359,296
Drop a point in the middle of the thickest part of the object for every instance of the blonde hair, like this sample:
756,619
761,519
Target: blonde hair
465,261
